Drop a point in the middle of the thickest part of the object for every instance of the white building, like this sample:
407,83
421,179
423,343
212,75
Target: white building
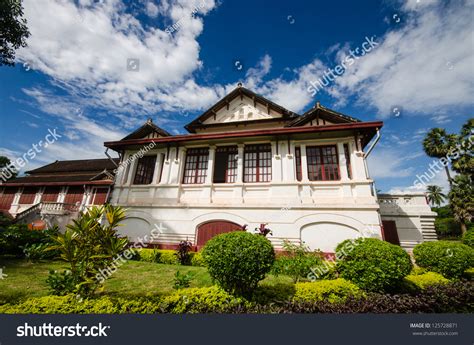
249,161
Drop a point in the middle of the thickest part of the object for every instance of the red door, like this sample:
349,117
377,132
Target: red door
6,198
389,232
210,229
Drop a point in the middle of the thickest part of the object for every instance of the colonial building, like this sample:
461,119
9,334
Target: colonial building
248,161
56,192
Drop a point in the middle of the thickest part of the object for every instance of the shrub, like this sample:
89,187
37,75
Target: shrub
469,274
61,283
167,256
447,227
147,254
238,260
182,253
422,281
333,291
72,304
297,261
372,264
38,251
197,259
90,245
450,259
468,238
182,281
201,300
16,237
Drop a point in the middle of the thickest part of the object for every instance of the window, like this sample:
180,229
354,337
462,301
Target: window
145,170
74,195
322,163
348,161
225,166
195,168
27,196
299,176
258,163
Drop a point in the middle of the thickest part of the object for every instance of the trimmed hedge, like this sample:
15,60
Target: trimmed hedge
197,259
238,260
202,300
166,256
332,291
422,281
372,264
455,297
450,259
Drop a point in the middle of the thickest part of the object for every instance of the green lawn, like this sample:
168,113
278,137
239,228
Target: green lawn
134,278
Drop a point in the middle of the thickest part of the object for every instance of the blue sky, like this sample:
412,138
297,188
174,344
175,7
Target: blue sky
73,76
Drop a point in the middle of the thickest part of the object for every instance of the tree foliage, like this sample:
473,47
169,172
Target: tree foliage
13,30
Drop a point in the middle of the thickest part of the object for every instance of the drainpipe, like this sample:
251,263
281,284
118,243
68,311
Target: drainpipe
110,157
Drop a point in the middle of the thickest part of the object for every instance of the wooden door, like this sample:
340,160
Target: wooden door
389,232
210,229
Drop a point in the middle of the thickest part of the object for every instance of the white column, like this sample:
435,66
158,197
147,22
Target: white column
304,164
210,164
276,162
131,171
342,162
240,163
158,165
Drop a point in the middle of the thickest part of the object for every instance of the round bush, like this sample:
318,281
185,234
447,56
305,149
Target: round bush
332,291
372,264
450,259
468,238
238,260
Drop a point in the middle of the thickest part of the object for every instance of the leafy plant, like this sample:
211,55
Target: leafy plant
182,281
184,247
372,264
263,230
297,261
450,259
422,281
37,251
197,259
16,237
238,260
61,283
468,238
90,244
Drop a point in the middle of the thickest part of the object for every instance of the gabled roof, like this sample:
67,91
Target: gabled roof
76,172
75,166
240,91
318,112
147,128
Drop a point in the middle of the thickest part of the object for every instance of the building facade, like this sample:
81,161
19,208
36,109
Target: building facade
248,161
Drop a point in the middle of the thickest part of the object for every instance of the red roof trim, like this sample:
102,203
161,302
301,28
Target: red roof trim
77,183
249,133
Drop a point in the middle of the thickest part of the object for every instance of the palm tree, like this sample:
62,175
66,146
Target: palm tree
437,144
464,164
435,195
461,198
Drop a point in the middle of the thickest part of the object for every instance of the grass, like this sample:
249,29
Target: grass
134,278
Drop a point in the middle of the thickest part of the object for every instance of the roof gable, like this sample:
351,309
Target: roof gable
319,116
240,106
148,130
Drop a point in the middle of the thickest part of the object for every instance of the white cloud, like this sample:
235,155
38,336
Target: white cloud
425,66
389,163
